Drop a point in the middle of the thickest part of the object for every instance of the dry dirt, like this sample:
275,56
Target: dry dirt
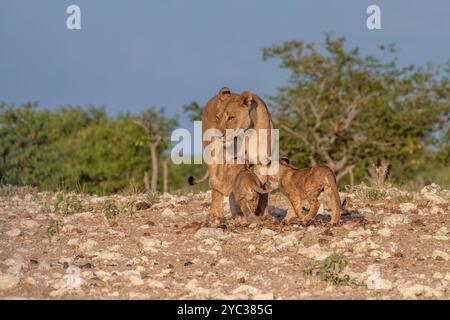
396,248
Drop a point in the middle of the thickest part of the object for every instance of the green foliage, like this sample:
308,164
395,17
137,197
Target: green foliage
366,193
348,110
74,148
330,271
68,204
7,190
110,209
152,198
52,228
194,110
338,107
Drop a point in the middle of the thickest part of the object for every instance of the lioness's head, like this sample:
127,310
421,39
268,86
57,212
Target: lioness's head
234,113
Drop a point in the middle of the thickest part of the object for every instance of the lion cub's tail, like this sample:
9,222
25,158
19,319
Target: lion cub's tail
192,181
267,189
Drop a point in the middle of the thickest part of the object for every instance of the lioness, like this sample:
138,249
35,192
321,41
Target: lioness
247,189
299,184
231,111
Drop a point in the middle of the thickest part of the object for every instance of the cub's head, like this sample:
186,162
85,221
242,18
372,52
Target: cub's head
234,113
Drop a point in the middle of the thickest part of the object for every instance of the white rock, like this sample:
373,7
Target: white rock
167,212
29,224
417,290
41,217
107,255
28,197
102,275
251,248
314,252
386,285
88,247
267,232
365,246
13,232
135,280
263,296
395,219
157,284
212,233
8,281
438,254
385,232
286,240
73,242
31,281
247,289
436,210
360,232
407,207
152,245
431,193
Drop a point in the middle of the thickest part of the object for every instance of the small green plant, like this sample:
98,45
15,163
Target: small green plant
52,228
110,209
67,204
152,197
330,270
366,193
401,198
130,208
7,189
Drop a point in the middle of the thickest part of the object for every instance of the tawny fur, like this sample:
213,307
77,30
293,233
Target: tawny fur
250,111
246,195
307,184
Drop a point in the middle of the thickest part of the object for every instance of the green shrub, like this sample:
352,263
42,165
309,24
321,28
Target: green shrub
110,209
52,228
68,204
330,271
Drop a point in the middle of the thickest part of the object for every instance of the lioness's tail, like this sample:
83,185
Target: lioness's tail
192,181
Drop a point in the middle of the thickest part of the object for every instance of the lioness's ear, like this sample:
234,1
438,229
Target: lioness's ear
284,160
224,93
246,98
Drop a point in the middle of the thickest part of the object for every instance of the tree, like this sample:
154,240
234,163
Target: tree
157,129
348,110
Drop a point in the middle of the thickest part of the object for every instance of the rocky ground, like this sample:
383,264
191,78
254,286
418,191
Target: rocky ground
391,245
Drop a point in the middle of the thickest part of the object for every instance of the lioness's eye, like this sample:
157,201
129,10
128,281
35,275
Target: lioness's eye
230,118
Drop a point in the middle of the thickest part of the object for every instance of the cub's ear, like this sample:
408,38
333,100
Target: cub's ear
284,160
246,98
224,93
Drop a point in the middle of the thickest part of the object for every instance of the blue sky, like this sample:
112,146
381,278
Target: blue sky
133,54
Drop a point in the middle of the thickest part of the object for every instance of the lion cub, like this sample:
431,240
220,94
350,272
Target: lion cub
299,184
245,197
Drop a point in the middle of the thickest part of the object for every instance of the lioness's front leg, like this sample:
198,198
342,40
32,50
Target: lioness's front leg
216,205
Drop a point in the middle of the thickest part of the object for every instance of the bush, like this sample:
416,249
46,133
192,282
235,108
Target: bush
110,209
330,270
68,204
